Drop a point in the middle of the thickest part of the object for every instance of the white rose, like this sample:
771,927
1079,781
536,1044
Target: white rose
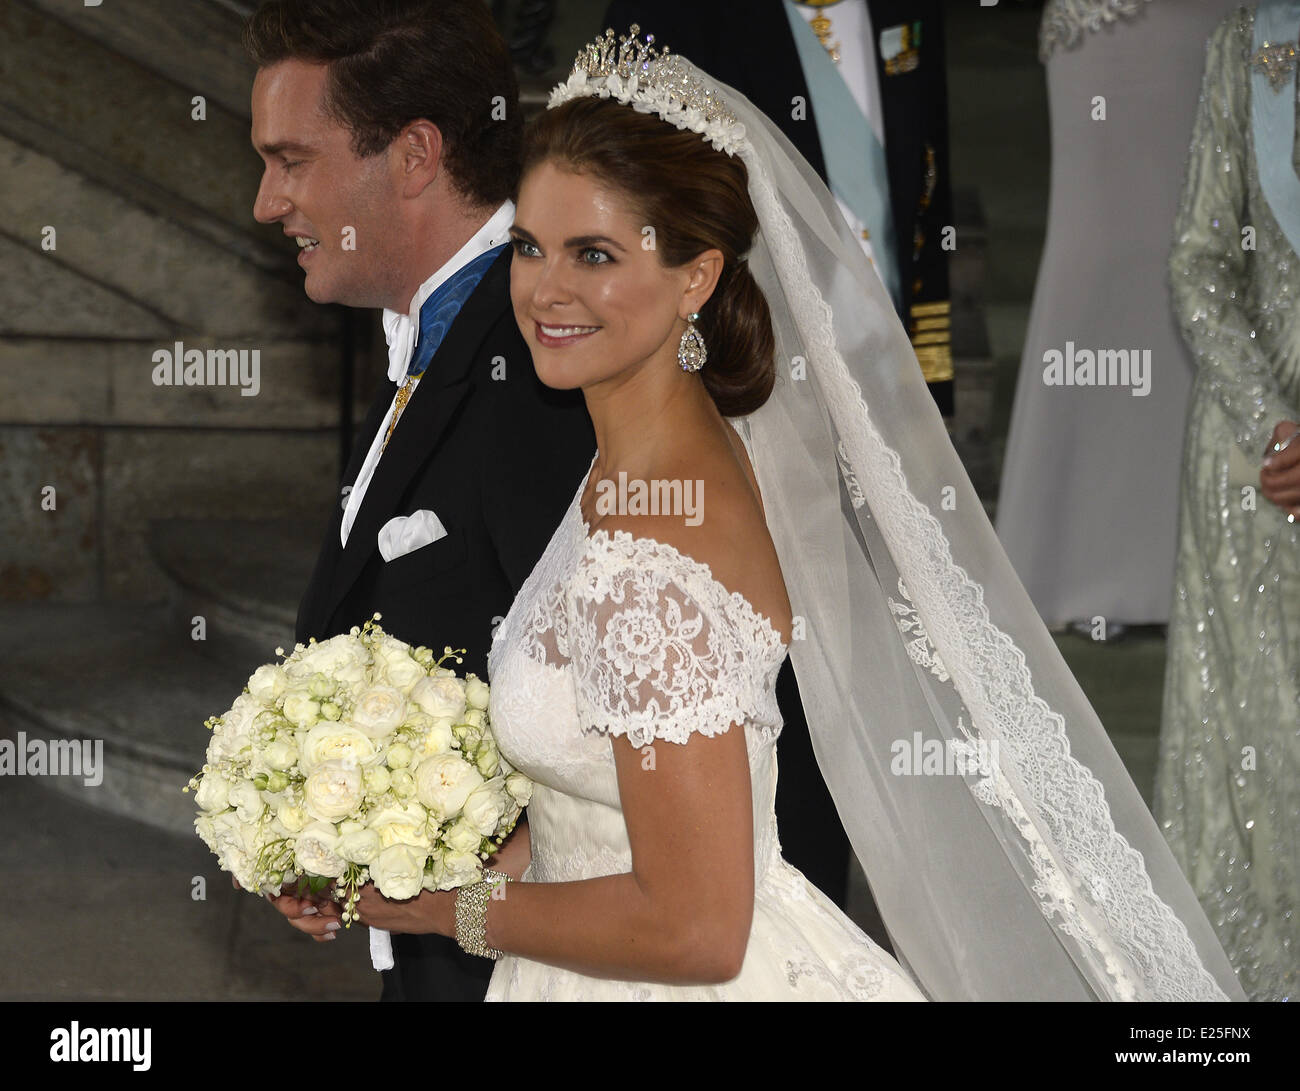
360,846
440,695
485,806
280,754
299,708
291,816
461,836
213,792
203,827
317,851
485,761
437,738
459,869
268,683
247,801
335,742
239,720
377,780
234,843
399,756
443,783
398,871
476,692
473,717
332,790
520,788
379,711
407,824
396,665
342,658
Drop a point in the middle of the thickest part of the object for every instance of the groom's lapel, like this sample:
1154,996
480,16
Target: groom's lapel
425,418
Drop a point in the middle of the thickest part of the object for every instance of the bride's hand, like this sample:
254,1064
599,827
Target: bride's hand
1279,479
514,856
428,912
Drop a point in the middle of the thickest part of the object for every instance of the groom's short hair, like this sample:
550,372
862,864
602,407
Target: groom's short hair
394,61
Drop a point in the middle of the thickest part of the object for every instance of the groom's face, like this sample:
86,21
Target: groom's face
340,207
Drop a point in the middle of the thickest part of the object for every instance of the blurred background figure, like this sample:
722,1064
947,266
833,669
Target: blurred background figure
1228,774
1087,504
860,88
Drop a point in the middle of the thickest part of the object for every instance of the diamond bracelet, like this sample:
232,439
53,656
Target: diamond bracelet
471,914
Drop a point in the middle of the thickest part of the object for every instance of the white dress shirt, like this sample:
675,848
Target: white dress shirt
401,332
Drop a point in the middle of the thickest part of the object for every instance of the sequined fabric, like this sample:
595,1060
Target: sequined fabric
1227,793
1065,21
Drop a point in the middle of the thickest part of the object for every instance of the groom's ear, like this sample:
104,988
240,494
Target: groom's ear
418,150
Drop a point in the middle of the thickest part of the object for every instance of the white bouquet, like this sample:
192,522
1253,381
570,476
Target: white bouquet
358,759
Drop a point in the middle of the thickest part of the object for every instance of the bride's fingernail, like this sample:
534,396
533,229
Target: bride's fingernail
310,910
333,926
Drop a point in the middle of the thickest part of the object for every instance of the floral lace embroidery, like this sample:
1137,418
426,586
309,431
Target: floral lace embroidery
1064,21
660,650
919,647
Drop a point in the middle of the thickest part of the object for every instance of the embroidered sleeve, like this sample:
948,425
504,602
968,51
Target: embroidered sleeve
654,652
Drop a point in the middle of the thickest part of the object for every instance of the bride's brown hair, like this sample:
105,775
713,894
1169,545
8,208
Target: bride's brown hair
696,199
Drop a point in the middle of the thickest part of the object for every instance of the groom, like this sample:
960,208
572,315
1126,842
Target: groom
390,133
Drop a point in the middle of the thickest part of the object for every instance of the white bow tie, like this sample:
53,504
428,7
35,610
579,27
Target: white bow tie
400,331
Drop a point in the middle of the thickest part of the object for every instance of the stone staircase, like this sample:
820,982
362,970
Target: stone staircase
135,678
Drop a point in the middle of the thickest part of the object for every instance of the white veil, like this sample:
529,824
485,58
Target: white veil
1047,878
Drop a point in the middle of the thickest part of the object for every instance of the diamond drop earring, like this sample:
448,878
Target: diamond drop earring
691,353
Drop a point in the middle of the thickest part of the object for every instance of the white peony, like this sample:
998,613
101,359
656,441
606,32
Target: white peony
440,695
333,790
317,851
268,682
300,709
459,869
280,754
360,846
394,663
342,658
336,742
476,692
520,788
291,816
213,793
379,711
436,739
461,836
247,801
443,783
398,871
485,806
401,824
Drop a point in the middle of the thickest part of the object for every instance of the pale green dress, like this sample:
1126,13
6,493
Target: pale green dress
1227,796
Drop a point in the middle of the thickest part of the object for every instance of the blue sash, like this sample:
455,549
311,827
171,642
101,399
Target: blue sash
855,159
1277,22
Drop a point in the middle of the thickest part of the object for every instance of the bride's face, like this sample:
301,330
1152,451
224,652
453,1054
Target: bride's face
590,294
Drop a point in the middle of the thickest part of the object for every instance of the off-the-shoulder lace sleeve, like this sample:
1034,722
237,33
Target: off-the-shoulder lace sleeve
660,650
1208,266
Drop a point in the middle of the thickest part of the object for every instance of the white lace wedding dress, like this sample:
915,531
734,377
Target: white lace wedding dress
615,635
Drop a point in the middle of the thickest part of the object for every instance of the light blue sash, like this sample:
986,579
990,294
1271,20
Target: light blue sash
1273,120
855,159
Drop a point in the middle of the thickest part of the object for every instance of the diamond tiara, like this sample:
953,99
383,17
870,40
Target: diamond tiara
651,80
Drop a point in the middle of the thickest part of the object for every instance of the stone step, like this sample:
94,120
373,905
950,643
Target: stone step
126,677
243,577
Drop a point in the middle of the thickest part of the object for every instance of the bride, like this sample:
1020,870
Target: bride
772,477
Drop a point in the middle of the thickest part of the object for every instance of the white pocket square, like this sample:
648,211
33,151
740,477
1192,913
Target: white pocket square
407,533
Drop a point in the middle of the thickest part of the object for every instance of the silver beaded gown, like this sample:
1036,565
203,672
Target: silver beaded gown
1227,790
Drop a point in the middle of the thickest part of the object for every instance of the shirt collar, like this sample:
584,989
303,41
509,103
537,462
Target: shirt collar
402,330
